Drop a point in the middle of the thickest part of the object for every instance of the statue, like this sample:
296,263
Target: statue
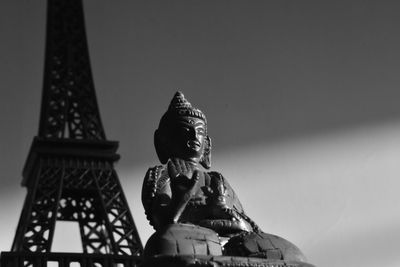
196,214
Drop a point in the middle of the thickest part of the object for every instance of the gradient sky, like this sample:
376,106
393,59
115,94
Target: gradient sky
302,99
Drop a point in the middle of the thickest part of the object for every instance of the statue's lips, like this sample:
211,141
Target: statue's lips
194,144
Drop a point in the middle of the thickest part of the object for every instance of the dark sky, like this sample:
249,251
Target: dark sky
293,67
264,72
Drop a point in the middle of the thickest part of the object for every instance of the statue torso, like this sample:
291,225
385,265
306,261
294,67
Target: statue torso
214,204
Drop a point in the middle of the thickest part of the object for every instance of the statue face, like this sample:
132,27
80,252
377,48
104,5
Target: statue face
187,138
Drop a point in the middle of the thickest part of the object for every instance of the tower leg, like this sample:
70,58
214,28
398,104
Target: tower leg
36,226
118,218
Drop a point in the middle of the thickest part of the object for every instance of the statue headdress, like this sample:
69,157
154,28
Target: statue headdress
180,107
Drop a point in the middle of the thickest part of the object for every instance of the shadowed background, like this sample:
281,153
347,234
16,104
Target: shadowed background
301,98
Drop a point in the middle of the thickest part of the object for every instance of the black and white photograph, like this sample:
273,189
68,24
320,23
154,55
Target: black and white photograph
187,133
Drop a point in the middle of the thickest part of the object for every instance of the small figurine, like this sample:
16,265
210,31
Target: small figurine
194,212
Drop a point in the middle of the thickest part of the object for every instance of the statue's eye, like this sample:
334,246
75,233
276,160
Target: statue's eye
200,131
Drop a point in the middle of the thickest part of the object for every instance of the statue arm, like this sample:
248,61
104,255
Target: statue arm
230,203
156,196
225,192
237,206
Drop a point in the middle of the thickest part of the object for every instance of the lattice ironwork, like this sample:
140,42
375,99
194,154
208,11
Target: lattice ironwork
36,226
120,221
85,191
91,224
69,106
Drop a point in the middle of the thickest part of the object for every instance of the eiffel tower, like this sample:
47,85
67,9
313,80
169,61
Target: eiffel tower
69,171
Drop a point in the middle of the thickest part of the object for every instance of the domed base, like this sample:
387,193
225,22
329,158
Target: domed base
187,245
183,239
218,261
263,245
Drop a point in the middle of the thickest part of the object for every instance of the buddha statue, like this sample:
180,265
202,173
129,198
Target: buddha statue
196,213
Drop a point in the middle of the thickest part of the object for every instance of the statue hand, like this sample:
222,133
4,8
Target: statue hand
182,187
183,177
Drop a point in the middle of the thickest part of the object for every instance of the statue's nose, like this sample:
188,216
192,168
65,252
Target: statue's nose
193,134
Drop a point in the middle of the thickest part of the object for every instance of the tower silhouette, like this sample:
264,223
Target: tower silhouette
69,172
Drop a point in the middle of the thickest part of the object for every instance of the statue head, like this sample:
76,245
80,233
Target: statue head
182,133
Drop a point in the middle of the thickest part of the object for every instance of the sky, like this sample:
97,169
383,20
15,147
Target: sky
301,99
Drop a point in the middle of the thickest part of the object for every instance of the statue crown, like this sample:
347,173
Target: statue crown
179,106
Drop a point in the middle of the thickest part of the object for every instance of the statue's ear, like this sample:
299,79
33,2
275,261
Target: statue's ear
205,160
160,145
